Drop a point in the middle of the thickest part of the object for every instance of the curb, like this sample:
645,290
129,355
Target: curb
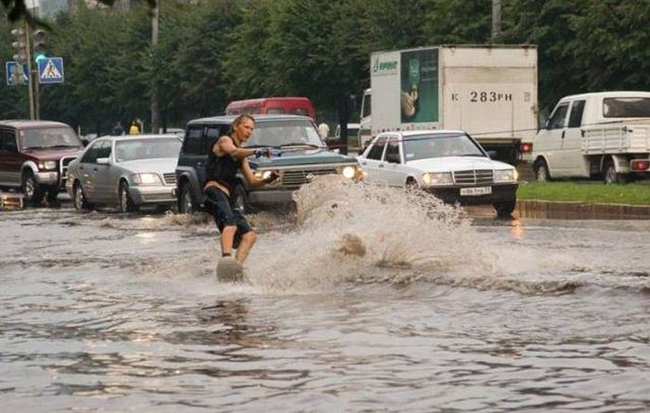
580,210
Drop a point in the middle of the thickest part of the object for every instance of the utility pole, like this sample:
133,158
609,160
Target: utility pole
30,83
496,19
155,21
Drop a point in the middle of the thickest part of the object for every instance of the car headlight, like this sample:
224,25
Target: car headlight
505,175
437,178
47,165
352,172
262,174
146,179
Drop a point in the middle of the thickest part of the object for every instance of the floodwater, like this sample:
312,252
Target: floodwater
364,299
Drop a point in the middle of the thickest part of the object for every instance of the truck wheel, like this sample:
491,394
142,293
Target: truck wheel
186,202
541,171
240,199
504,209
126,202
32,190
610,176
79,198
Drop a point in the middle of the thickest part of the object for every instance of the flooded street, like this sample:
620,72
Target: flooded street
362,300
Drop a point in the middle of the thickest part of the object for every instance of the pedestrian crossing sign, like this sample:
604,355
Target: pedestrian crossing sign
50,70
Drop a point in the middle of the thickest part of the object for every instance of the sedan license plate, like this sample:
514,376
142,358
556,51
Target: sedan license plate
482,190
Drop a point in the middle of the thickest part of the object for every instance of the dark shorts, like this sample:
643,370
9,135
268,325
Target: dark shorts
220,206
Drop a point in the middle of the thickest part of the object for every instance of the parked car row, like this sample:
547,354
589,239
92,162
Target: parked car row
144,170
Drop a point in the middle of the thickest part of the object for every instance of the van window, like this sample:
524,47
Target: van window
366,106
377,149
558,119
192,143
626,107
299,111
577,109
275,111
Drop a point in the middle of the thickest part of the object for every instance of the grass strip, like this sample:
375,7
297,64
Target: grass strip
632,194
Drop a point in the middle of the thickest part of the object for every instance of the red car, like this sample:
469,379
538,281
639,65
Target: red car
34,156
272,106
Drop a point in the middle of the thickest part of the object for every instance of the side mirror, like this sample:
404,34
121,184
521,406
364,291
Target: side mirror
492,154
102,161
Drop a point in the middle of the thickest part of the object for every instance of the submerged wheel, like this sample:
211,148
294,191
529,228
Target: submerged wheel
541,171
610,176
79,198
504,209
186,203
126,202
32,190
240,199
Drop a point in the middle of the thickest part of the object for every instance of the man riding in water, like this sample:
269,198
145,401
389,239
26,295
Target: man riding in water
226,158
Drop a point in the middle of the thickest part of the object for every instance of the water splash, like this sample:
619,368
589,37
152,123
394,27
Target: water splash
360,233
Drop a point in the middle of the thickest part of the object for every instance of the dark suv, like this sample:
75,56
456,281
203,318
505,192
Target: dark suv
297,151
34,156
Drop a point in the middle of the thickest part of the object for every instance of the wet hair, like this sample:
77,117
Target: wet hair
238,120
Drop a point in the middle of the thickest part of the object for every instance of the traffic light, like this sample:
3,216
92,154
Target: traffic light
39,44
20,46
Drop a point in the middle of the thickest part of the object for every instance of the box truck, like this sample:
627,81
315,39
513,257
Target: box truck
488,91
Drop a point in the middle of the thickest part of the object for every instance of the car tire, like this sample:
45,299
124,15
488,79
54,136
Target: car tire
79,198
610,176
126,203
33,192
186,201
240,199
412,184
505,209
542,173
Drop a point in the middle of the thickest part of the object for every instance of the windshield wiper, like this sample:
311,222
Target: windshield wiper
311,145
259,146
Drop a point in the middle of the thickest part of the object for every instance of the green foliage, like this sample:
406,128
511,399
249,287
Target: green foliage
212,51
458,22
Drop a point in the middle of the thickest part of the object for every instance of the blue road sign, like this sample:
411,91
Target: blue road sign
50,70
14,75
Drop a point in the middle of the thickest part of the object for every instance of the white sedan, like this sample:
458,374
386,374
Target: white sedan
449,164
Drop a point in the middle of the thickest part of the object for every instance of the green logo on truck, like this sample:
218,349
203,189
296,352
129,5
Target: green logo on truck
378,66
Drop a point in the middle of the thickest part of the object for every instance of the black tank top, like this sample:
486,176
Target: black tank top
222,169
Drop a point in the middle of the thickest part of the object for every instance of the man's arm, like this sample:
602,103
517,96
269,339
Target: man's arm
252,180
227,146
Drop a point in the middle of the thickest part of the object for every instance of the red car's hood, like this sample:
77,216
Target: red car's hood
52,154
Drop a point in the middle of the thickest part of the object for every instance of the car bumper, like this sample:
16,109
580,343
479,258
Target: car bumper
47,178
152,195
499,193
268,197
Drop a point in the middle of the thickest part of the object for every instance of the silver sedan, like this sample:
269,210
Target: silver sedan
127,171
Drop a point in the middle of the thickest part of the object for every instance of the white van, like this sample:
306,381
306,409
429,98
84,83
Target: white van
605,135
